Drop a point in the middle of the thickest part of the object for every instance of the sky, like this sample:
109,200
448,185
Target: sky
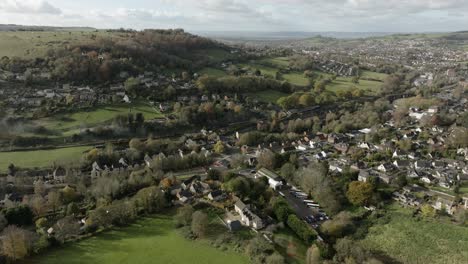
244,15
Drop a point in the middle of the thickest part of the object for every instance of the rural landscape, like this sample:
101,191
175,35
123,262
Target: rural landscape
149,145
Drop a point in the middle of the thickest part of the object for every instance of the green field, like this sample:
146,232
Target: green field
151,240
296,79
374,75
408,240
40,158
343,83
69,123
280,62
212,72
268,96
32,44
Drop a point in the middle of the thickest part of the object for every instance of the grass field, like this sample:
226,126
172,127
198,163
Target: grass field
296,79
374,75
151,240
40,158
268,96
425,241
212,72
32,44
343,83
280,62
69,123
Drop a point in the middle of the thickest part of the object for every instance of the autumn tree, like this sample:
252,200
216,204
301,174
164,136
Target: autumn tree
16,243
313,255
199,223
184,216
219,147
359,193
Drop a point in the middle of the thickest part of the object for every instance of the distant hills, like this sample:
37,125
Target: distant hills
13,27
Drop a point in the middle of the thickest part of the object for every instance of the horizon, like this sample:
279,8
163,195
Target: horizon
256,16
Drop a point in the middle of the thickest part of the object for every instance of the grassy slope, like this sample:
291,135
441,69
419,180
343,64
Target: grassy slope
425,241
151,240
290,246
29,44
70,123
343,83
39,158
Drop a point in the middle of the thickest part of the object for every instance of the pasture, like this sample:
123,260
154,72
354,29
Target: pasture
40,158
434,241
67,124
150,240
35,44
268,96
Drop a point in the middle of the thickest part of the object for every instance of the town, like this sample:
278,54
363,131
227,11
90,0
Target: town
289,153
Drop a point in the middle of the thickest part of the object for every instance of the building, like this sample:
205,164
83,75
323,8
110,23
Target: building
274,180
248,218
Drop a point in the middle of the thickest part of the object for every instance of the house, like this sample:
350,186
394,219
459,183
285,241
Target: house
364,176
184,196
399,154
217,195
446,204
274,180
199,188
287,149
248,218
422,164
400,164
342,147
385,167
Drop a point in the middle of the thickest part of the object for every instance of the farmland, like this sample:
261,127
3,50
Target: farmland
150,239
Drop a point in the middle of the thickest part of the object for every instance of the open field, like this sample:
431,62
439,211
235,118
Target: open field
343,83
32,44
374,75
296,78
268,96
150,240
280,62
69,123
425,241
39,158
212,72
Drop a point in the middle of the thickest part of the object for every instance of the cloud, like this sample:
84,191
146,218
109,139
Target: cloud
28,7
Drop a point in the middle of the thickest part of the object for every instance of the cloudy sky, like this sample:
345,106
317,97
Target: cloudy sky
244,15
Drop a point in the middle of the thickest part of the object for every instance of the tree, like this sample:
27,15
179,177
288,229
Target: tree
131,85
39,188
313,255
19,215
275,258
199,223
219,147
68,195
136,144
16,242
359,193
184,216
461,217
38,205
287,170
338,226
267,159
3,221
303,230
66,228
54,200
428,211
258,248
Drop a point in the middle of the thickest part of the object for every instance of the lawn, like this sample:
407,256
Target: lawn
296,78
265,70
268,96
408,240
40,158
70,123
212,72
343,83
374,75
151,240
280,62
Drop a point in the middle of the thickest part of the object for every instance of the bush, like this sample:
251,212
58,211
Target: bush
20,215
301,229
